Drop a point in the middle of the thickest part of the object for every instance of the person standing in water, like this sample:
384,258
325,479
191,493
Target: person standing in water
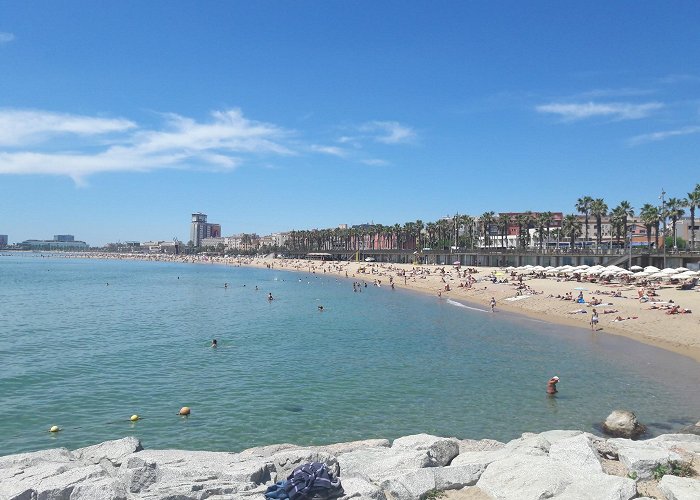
552,385
269,296
493,304
214,343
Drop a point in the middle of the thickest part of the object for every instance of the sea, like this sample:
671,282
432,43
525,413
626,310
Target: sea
86,343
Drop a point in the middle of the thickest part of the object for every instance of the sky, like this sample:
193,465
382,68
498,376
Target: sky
120,119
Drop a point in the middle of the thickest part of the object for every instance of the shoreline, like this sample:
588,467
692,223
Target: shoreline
688,345
678,334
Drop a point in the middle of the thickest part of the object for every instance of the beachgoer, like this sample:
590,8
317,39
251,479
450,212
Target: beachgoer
269,296
493,304
552,385
594,320
214,343
320,308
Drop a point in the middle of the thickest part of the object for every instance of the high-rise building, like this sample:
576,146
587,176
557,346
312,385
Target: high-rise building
201,229
3,240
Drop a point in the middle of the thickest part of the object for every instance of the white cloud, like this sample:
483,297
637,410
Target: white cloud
388,132
329,150
663,135
615,110
375,162
182,143
6,37
20,127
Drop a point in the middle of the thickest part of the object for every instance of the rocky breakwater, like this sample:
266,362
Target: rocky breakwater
555,464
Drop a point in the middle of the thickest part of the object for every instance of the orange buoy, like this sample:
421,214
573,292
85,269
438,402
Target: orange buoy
185,410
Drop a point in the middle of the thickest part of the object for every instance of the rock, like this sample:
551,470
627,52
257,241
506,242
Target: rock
286,461
529,444
113,451
266,451
340,448
415,484
440,450
374,464
680,488
479,457
466,445
356,487
58,484
623,423
642,457
555,436
576,451
687,442
137,474
525,477
691,429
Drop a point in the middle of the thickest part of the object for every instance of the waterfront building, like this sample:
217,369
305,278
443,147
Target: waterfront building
201,229
167,247
54,244
3,240
63,237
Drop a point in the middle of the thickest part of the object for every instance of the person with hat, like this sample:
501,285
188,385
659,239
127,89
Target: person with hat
552,385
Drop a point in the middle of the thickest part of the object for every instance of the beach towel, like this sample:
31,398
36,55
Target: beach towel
313,480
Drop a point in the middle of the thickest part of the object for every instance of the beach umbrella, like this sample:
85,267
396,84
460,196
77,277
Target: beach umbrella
624,272
641,274
685,274
636,268
652,269
682,269
669,270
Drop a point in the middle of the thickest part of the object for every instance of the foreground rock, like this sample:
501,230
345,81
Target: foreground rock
554,464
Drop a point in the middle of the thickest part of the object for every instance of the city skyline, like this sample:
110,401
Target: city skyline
118,122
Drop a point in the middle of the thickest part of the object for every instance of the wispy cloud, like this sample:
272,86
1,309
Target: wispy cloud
375,162
220,143
20,127
614,110
388,132
6,37
663,135
329,150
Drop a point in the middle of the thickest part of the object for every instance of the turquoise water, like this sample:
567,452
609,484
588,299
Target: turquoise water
85,355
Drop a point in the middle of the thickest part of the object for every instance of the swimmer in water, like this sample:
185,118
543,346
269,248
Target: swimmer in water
320,308
214,343
552,385
269,296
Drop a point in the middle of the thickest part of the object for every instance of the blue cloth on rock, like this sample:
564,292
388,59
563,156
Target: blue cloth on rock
313,480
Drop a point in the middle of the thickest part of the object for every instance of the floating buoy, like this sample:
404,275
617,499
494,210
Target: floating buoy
134,418
54,428
185,410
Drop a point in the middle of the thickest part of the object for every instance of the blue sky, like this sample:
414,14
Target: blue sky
120,119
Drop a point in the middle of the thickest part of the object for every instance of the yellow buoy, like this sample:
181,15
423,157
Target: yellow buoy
54,428
185,410
134,418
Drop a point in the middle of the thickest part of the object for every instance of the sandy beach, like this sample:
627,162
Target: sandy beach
538,297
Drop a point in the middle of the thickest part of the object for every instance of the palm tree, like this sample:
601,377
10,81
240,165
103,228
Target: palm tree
616,223
419,232
674,208
487,219
503,222
599,210
693,203
544,220
523,221
625,209
650,218
571,227
583,206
